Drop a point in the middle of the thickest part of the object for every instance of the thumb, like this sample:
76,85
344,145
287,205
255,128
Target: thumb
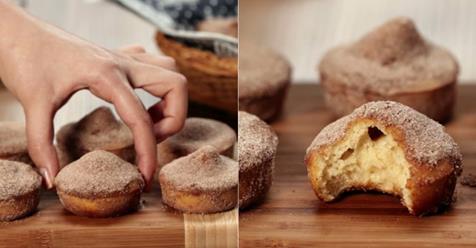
39,129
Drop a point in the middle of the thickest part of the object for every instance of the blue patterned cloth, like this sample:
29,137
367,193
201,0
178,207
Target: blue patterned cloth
178,19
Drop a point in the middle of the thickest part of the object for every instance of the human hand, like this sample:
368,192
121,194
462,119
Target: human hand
44,66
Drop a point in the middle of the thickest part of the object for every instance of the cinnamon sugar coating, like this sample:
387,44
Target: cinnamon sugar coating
17,179
425,140
12,139
204,171
392,59
99,174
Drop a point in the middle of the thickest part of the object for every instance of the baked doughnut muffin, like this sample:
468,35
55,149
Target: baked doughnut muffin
388,147
13,144
263,82
99,184
226,26
257,144
19,190
202,182
197,133
394,63
99,130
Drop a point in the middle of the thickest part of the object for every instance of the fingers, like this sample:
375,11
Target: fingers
171,87
132,112
160,61
39,129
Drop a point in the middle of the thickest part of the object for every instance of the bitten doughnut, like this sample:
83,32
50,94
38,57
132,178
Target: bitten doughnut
197,133
226,26
13,145
19,190
257,144
99,184
99,130
388,147
395,63
263,82
202,182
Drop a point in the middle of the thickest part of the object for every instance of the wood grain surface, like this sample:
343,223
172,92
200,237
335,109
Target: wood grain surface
291,215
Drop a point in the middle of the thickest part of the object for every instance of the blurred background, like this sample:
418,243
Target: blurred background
303,30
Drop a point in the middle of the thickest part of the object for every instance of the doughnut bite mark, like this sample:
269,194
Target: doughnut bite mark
202,182
388,147
263,82
197,133
99,184
257,144
99,130
19,190
392,62
13,144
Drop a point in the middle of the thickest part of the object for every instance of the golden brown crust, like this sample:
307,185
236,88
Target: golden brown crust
212,79
198,201
431,185
437,103
101,207
255,182
19,206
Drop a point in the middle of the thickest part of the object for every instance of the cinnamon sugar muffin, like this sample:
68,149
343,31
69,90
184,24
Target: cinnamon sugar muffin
393,62
263,82
99,130
389,147
227,26
99,184
202,182
257,144
197,133
13,144
19,190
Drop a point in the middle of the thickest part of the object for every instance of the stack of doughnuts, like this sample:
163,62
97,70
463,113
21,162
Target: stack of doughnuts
264,80
202,182
257,144
99,130
197,133
389,147
393,62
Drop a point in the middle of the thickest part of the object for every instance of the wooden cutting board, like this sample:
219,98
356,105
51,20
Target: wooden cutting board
154,225
291,215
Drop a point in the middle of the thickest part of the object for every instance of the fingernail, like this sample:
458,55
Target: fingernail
48,180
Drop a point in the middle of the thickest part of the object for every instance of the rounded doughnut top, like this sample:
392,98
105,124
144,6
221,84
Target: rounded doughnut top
17,179
199,132
97,130
12,139
203,170
424,140
391,59
262,71
257,142
99,174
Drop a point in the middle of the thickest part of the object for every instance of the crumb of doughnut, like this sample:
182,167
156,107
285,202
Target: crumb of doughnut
469,180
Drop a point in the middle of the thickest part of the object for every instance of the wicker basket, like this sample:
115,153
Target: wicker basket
212,80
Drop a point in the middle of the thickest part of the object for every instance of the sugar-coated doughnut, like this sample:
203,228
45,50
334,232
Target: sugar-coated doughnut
388,147
99,184
19,190
202,182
